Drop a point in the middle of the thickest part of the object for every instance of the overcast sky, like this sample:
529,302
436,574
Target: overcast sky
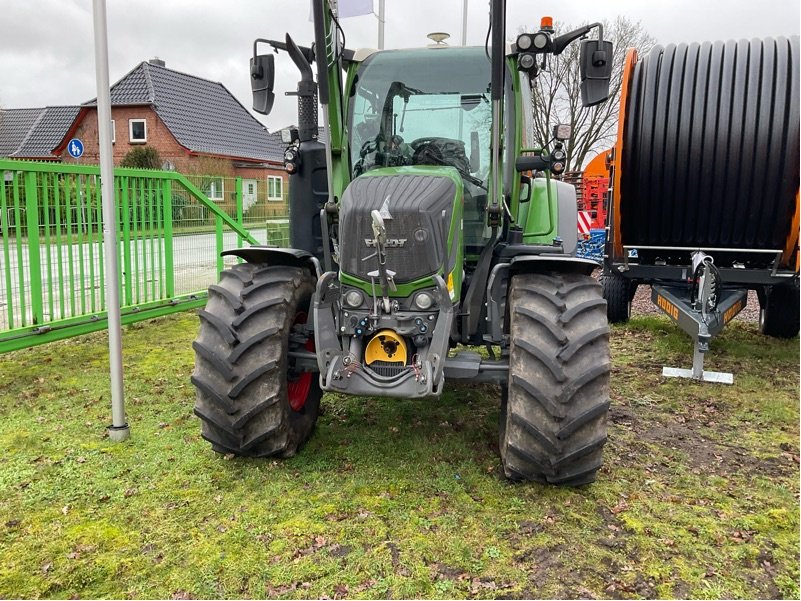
47,55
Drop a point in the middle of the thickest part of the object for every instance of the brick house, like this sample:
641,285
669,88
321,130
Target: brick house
196,125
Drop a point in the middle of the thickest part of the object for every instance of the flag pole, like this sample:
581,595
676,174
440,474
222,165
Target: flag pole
464,24
381,14
118,430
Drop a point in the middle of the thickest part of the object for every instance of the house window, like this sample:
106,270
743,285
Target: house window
137,131
275,188
113,131
216,188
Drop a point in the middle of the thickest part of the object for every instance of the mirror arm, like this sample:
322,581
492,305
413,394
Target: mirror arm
308,53
560,43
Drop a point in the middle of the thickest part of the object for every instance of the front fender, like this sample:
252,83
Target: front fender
270,255
540,263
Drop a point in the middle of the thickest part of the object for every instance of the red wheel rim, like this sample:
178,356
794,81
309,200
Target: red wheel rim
298,389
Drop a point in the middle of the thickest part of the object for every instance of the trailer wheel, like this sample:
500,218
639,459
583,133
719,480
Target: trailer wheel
554,410
779,311
250,398
618,292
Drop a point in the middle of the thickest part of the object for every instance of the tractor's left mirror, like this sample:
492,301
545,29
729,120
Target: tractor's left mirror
262,77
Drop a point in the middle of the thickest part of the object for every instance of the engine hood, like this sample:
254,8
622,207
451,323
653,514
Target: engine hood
420,207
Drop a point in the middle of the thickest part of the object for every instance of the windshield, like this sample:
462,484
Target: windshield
422,107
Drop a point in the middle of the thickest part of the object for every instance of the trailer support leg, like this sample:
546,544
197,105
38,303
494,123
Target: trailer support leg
697,372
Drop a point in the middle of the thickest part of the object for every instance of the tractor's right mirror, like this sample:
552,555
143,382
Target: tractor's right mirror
596,71
262,78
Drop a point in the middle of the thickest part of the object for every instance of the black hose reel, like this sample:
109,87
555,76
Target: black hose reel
709,149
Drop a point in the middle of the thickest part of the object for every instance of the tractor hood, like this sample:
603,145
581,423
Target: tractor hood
421,207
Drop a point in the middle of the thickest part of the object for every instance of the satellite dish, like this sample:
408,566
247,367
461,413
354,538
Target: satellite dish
438,37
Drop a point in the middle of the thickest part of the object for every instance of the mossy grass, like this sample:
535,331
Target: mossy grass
398,498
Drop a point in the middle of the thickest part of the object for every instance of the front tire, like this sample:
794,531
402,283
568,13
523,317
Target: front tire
250,399
553,416
779,311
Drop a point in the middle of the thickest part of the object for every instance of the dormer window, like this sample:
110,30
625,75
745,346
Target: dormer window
137,131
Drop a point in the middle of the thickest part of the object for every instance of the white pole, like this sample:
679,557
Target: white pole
381,15
118,430
464,24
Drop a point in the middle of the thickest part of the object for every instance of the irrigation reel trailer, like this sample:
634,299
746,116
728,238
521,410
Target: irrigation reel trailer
705,188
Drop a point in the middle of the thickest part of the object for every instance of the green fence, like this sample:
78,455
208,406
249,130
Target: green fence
170,235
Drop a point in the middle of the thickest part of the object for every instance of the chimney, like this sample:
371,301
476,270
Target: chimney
157,61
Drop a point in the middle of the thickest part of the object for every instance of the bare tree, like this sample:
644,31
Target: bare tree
556,94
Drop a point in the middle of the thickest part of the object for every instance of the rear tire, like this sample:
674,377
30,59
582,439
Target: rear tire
779,311
554,413
250,400
618,292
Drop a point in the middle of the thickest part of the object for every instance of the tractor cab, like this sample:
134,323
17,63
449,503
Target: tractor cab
426,107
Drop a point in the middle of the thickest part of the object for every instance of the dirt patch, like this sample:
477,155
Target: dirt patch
706,454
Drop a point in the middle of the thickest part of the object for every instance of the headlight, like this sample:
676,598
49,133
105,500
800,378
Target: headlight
353,299
526,61
524,41
562,131
423,301
541,40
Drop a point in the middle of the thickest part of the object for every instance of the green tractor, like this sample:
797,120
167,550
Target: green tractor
427,224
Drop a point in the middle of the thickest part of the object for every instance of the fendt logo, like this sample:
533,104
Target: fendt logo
391,243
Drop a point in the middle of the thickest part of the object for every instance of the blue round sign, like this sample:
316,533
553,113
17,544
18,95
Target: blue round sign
75,148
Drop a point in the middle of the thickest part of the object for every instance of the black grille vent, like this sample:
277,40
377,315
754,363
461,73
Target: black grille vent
387,369
420,206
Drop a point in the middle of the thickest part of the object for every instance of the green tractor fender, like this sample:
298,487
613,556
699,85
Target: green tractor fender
268,255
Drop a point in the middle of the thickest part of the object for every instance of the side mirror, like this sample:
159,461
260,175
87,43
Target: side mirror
596,71
262,78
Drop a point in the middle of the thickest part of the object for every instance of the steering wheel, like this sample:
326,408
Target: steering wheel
428,150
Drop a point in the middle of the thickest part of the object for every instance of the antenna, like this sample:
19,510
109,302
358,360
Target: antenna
438,37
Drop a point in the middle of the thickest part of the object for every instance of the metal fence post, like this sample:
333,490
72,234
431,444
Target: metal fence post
169,273
4,217
218,238
34,251
240,213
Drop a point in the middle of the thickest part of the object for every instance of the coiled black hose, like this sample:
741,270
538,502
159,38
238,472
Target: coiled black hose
710,154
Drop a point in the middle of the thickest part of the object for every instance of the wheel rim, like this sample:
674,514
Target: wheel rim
298,388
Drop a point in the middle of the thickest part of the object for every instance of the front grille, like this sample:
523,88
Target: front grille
387,369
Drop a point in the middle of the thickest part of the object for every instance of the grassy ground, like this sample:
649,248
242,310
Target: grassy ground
698,498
